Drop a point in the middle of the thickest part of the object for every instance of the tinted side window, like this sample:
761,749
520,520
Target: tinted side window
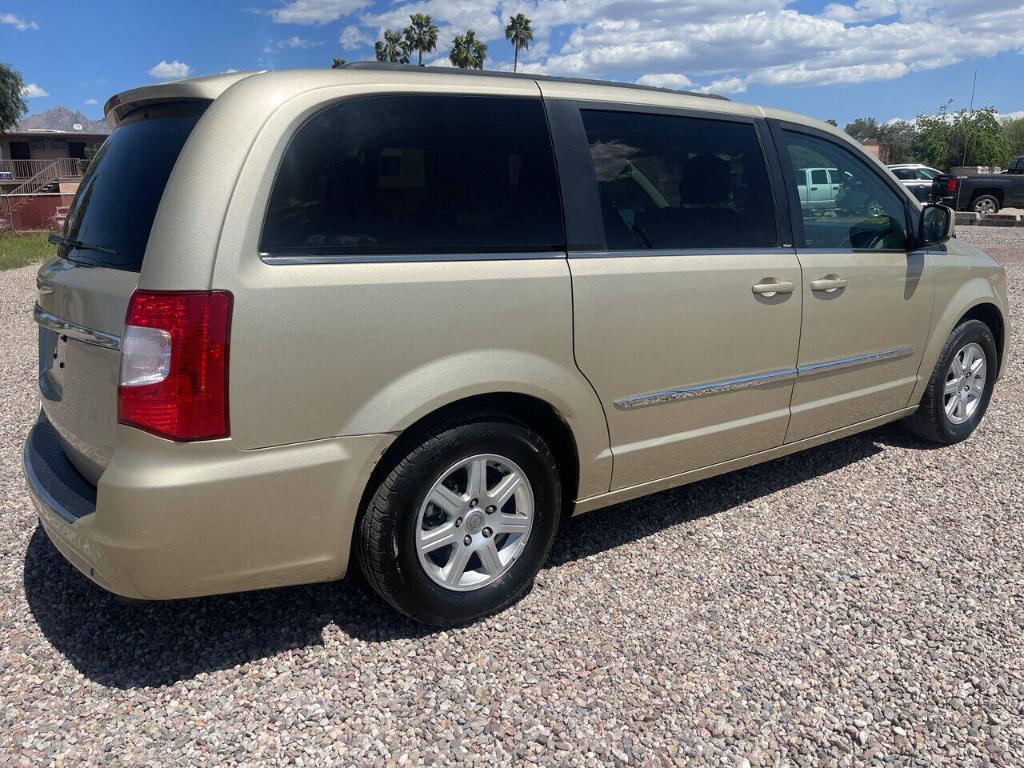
417,174
679,182
818,176
864,212
904,173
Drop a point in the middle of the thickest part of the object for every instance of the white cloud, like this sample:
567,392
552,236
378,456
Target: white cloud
20,24
315,11
353,37
229,71
170,70
90,101
665,81
33,91
726,85
291,43
1012,115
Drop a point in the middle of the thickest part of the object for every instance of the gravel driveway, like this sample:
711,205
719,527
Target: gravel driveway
856,604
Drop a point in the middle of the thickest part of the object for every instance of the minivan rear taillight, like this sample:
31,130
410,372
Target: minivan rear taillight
174,364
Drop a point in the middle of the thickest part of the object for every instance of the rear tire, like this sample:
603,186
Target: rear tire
985,204
956,399
492,551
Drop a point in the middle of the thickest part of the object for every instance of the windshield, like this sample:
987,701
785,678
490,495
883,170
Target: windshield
116,202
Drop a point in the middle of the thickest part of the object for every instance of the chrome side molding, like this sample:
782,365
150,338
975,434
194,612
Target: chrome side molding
75,331
701,390
758,379
855,360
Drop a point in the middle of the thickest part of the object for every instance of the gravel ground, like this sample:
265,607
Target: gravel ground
857,604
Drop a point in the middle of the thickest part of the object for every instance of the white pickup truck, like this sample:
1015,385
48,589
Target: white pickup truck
831,190
818,188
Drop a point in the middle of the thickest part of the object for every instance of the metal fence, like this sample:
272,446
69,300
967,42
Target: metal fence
40,211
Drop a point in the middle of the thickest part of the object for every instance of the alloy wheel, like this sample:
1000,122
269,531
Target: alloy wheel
965,383
474,522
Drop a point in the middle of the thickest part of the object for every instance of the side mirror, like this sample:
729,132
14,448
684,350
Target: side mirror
936,225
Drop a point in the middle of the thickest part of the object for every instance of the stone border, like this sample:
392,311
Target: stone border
969,218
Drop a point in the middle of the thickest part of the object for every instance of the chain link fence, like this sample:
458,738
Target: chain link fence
39,211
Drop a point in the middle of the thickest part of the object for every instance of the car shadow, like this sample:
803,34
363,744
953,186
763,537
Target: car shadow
123,644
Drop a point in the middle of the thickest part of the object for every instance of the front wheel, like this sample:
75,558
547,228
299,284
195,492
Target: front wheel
986,204
960,387
460,526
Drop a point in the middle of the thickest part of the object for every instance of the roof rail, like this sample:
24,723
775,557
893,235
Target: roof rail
386,66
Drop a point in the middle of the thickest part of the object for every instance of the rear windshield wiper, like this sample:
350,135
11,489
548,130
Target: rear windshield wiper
68,242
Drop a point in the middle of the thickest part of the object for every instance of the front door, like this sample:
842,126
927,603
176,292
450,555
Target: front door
687,321
866,300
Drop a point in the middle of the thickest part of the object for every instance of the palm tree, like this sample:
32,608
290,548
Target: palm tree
468,52
518,33
421,35
392,48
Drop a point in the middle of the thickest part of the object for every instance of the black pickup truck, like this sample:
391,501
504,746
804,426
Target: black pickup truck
984,194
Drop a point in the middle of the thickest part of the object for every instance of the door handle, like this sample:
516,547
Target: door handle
828,283
814,189
770,286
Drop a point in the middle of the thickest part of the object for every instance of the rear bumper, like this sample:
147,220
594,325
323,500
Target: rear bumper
172,520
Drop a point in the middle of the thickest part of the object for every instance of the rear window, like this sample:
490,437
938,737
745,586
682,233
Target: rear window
117,200
411,174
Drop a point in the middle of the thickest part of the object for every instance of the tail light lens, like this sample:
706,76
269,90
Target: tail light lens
174,364
951,185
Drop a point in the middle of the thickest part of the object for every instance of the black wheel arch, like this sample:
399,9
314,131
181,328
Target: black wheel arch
990,315
536,414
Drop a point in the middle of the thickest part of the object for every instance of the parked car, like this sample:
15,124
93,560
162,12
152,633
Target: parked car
984,194
1016,165
419,344
917,178
60,215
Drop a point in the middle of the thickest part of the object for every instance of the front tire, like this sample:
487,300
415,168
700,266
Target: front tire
459,527
960,387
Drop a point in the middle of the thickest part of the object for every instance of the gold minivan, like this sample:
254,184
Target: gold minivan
417,316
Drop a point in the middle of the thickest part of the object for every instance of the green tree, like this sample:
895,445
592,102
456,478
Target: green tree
337,64
896,141
863,129
1015,135
963,138
392,48
12,105
468,52
832,122
90,153
519,33
421,35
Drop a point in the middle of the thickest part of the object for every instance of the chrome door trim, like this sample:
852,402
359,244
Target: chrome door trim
700,390
814,369
75,331
770,250
757,379
279,259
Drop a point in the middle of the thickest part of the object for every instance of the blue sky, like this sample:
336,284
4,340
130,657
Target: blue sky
883,58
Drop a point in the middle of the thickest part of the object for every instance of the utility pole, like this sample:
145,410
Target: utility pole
970,114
